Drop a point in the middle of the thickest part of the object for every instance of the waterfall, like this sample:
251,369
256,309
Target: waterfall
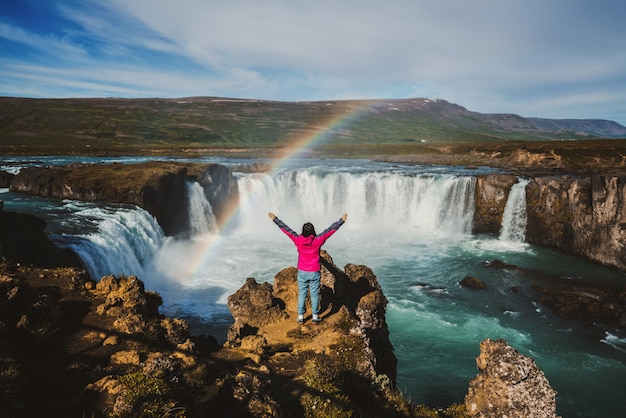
392,202
201,217
126,239
514,218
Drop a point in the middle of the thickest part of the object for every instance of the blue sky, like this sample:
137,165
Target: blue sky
541,58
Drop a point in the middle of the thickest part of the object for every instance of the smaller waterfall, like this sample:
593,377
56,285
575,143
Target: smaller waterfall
201,215
126,239
514,218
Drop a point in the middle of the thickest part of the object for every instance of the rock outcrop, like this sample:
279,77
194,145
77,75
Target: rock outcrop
352,296
492,192
585,216
5,178
23,241
338,359
508,385
592,305
158,187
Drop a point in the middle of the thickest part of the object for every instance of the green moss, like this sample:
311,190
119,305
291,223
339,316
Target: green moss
148,397
324,397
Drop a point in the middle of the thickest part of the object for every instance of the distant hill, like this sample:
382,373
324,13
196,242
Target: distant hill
214,121
591,127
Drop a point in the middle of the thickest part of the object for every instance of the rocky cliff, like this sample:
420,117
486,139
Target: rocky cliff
582,215
158,187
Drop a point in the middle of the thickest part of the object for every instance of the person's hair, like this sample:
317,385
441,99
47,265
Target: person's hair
308,229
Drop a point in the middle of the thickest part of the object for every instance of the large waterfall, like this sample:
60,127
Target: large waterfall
379,201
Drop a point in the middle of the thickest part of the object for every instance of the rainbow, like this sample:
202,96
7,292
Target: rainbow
320,133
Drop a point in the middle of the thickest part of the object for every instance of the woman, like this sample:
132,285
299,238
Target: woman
308,245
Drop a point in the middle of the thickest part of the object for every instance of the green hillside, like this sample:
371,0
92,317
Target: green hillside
207,122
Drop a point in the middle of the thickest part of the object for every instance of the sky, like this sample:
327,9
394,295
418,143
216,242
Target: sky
536,58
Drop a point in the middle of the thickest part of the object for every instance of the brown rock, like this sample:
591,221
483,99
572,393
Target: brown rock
472,283
176,330
586,216
126,357
492,191
254,305
508,385
23,241
593,305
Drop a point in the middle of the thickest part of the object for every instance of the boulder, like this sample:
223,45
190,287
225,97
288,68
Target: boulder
472,282
508,384
254,306
136,312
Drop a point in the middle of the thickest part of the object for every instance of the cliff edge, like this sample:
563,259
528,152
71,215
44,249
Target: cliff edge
158,187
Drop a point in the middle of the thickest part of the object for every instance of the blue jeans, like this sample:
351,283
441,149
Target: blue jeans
309,280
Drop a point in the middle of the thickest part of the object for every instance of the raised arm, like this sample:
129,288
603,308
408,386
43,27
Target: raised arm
283,226
334,227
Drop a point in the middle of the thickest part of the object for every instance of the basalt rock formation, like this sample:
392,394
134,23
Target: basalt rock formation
492,192
585,216
508,384
582,215
158,187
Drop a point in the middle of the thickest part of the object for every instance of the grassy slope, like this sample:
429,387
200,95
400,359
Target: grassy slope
202,122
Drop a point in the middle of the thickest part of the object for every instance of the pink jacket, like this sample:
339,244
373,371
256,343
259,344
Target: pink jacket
309,247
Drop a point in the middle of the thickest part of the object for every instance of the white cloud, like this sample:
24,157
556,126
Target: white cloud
52,44
486,55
